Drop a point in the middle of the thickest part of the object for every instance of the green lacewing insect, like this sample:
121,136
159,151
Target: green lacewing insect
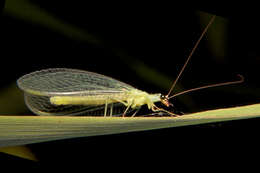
63,91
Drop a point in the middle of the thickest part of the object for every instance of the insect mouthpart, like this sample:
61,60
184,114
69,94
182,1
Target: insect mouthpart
165,100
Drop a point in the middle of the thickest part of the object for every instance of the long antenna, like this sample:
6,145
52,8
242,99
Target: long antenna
191,53
209,86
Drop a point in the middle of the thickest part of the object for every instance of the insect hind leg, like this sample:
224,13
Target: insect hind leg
105,111
111,110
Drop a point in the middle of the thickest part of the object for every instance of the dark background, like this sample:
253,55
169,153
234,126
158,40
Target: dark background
145,46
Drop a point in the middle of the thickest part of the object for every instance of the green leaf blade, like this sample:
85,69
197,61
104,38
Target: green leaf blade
20,130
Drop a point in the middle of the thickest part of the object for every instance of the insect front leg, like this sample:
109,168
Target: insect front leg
156,109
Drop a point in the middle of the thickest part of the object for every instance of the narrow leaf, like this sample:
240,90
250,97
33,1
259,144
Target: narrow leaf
20,130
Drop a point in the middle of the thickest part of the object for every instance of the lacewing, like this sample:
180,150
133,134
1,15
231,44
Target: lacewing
62,91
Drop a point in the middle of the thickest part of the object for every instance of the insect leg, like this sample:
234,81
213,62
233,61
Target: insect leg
136,111
105,112
126,110
111,110
156,109
120,101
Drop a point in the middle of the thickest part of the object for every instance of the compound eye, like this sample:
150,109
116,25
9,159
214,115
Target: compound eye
162,97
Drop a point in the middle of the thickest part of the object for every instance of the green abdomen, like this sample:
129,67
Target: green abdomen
88,100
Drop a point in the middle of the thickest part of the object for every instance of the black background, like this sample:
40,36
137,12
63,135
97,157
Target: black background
161,37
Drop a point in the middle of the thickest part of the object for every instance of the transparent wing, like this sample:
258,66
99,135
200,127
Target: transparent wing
39,86
63,81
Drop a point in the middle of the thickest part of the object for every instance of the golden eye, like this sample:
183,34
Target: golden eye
162,97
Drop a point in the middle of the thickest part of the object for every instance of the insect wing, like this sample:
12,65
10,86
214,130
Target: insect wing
63,81
39,86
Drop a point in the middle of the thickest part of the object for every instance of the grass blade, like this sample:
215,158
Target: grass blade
20,130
